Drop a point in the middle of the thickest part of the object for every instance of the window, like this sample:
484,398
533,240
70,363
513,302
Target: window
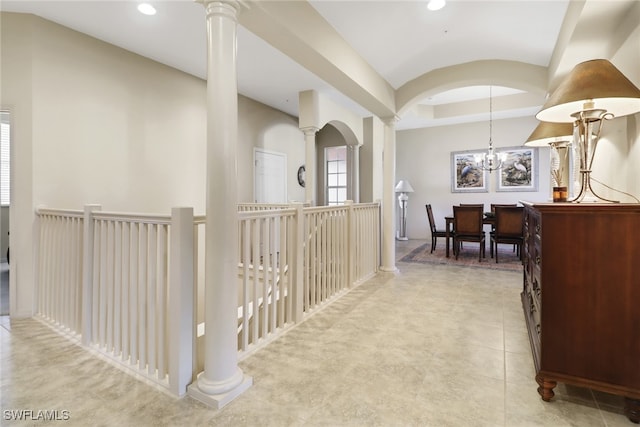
336,164
5,162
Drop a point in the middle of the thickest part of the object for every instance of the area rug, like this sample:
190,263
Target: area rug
468,257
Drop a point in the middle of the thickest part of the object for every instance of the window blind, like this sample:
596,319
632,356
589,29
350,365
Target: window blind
5,164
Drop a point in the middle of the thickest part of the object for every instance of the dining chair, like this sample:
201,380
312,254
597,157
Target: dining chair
493,214
473,205
435,233
509,228
494,205
467,223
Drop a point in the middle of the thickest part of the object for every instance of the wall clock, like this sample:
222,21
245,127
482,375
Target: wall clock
301,171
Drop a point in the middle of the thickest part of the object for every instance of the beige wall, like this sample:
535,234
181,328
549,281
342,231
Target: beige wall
264,127
96,124
113,128
371,160
617,160
423,157
16,37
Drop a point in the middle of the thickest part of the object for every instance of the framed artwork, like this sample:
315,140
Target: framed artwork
519,170
466,176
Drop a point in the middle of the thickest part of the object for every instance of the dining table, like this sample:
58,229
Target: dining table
487,219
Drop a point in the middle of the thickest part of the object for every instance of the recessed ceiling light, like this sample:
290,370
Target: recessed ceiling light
436,4
147,9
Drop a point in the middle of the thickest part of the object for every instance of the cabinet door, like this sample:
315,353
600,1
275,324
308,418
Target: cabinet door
590,322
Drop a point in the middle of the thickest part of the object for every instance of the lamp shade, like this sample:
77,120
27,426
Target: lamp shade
404,187
548,133
598,81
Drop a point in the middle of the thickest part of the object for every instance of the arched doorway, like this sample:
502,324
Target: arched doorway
337,164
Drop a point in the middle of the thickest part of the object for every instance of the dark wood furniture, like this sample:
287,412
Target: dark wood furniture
448,228
495,205
580,297
509,228
435,233
467,223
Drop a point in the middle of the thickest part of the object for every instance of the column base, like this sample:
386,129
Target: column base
218,401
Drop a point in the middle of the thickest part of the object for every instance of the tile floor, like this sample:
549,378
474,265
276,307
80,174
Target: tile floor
425,346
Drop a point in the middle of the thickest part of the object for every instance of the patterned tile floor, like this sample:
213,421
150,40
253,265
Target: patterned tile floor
424,346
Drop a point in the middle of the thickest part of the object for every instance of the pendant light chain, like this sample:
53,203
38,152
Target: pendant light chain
490,161
490,118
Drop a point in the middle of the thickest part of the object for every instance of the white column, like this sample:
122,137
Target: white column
388,195
222,380
310,164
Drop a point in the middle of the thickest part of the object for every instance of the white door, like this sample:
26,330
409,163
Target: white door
270,177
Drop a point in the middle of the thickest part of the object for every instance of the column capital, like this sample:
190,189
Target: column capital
390,120
230,8
310,130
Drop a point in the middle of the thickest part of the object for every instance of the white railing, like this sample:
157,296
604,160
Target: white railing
365,241
104,278
325,253
132,286
130,290
266,261
294,260
60,273
243,207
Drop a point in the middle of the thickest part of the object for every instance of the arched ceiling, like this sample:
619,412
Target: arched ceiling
380,57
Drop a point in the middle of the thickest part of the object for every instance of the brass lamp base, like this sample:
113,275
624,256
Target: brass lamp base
587,195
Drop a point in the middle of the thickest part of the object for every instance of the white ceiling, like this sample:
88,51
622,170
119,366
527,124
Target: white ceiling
399,39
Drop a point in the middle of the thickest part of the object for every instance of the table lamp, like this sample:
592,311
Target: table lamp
593,91
557,136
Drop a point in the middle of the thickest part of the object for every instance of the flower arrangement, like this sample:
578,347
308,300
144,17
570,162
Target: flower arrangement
557,175
558,162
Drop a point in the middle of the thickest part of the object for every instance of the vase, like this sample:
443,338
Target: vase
560,194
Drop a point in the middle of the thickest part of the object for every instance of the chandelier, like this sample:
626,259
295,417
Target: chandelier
490,161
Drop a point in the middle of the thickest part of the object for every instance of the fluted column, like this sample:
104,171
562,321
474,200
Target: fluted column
388,195
310,164
222,380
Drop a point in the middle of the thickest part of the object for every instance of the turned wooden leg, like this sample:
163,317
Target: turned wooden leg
632,409
546,388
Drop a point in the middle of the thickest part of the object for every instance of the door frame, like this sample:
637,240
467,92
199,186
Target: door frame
257,151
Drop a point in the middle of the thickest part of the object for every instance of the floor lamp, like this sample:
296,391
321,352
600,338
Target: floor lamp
593,92
403,188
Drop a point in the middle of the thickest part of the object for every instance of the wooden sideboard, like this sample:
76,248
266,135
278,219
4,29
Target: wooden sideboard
581,297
